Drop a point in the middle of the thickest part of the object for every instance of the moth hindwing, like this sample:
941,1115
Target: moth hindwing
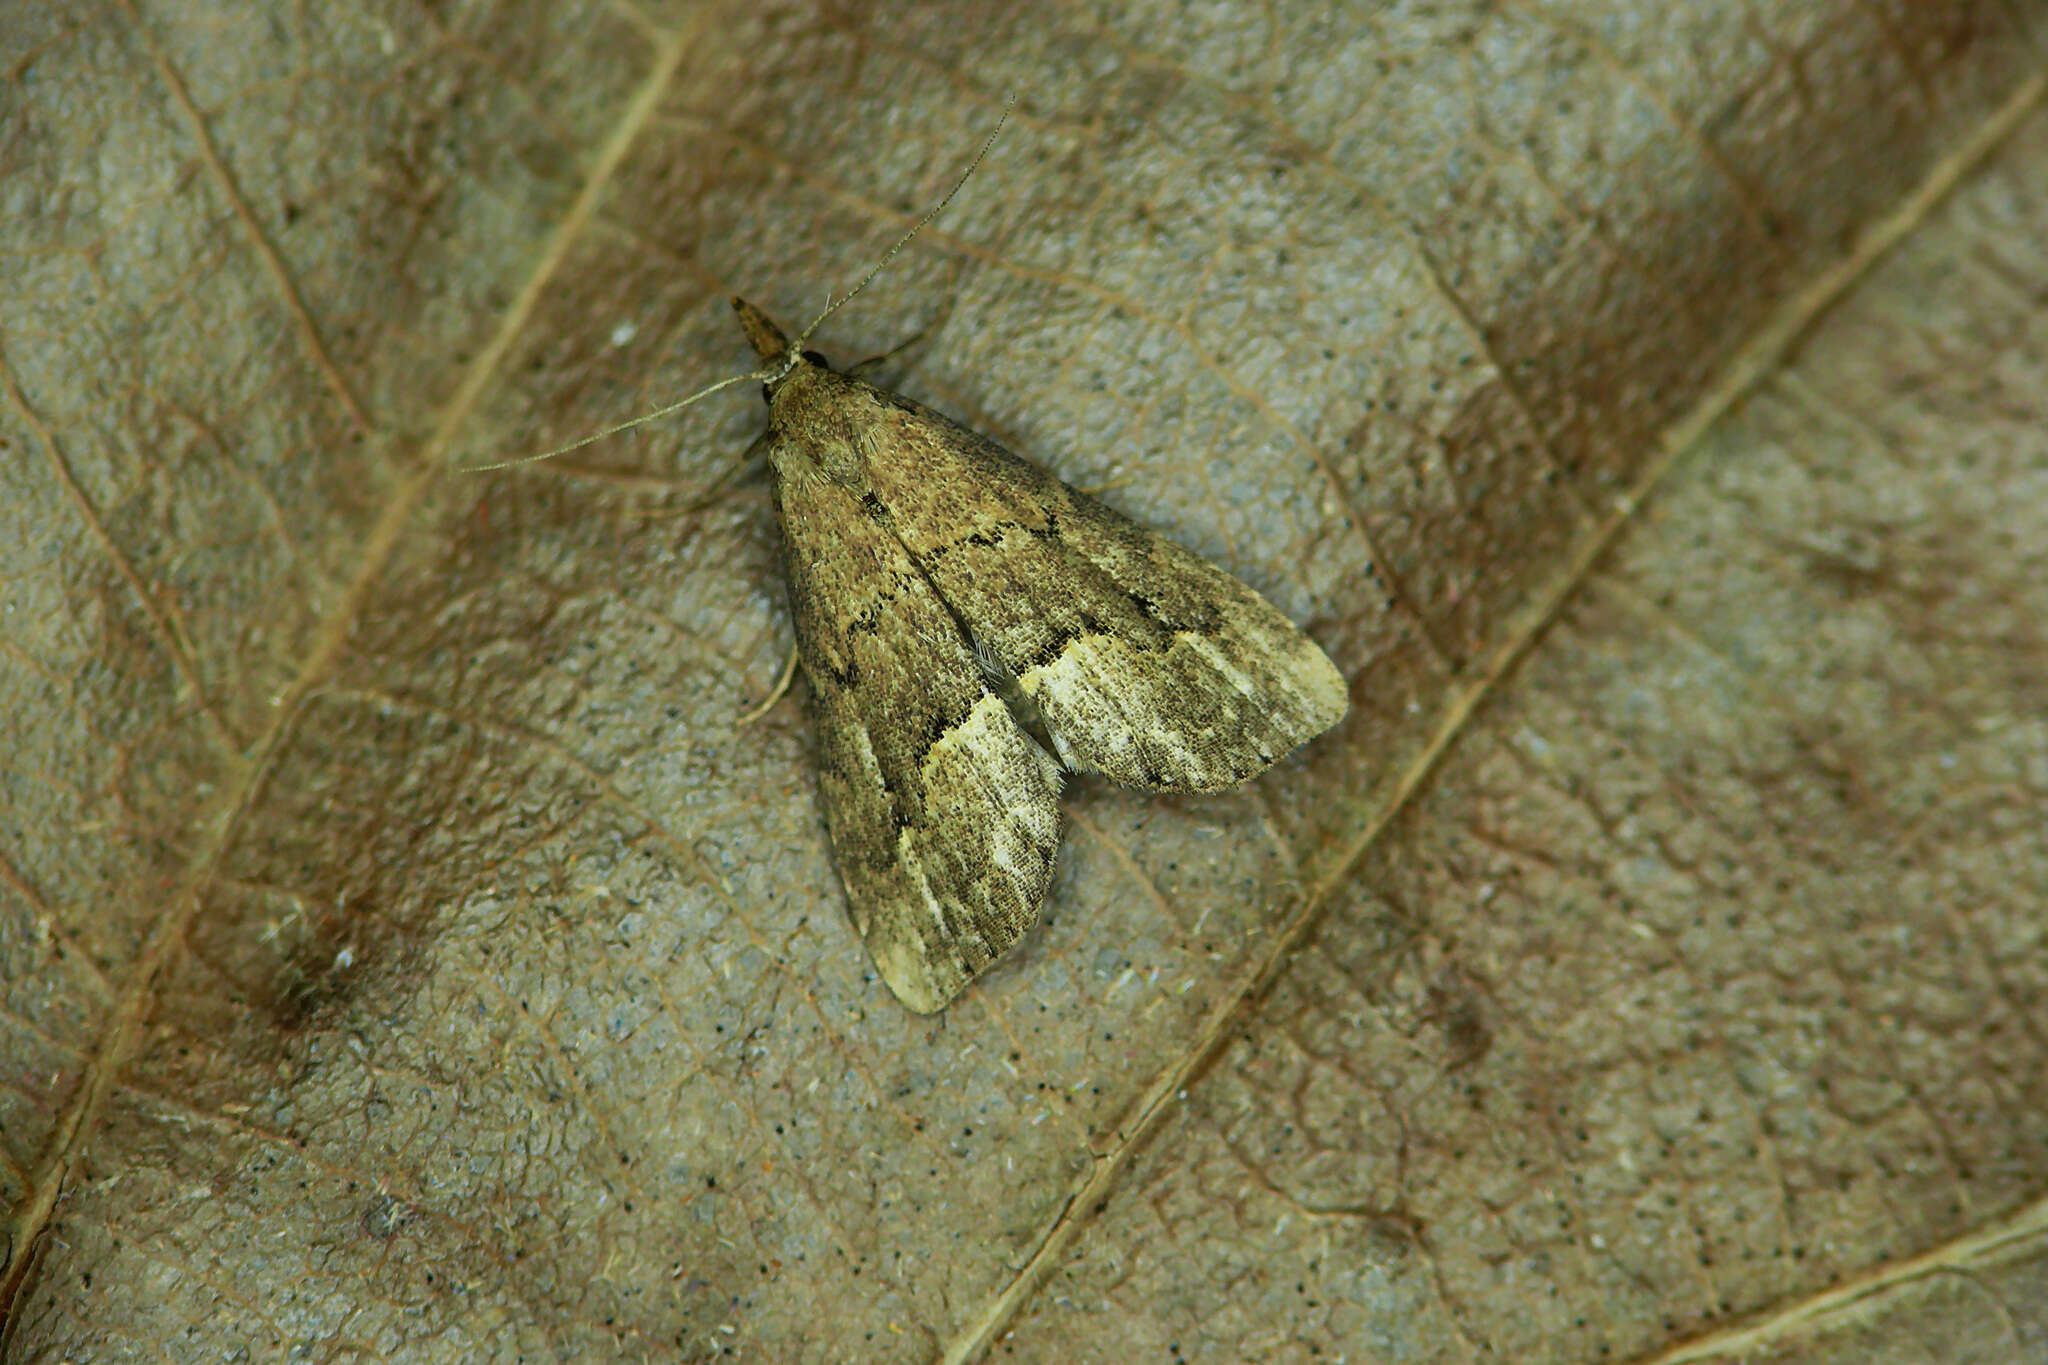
932,574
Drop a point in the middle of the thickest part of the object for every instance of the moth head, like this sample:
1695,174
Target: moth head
780,357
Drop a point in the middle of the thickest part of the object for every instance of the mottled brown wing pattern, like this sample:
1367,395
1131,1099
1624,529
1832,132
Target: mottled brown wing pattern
1149,664
943,813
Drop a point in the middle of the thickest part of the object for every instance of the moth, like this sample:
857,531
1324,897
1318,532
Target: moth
972,629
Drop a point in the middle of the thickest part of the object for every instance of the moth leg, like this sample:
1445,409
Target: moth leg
754,713
861,369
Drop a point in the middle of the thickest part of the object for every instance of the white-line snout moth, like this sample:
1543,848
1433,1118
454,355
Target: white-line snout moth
955,606
950,599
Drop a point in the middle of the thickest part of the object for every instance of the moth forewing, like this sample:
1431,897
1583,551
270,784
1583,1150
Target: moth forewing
928,570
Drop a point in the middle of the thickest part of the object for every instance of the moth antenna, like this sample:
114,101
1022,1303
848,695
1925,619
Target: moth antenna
834,305
614,430
790,358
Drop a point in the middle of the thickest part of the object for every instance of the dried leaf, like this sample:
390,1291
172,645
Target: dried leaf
406,956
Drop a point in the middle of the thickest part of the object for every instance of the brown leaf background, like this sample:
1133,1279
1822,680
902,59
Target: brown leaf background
405,956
